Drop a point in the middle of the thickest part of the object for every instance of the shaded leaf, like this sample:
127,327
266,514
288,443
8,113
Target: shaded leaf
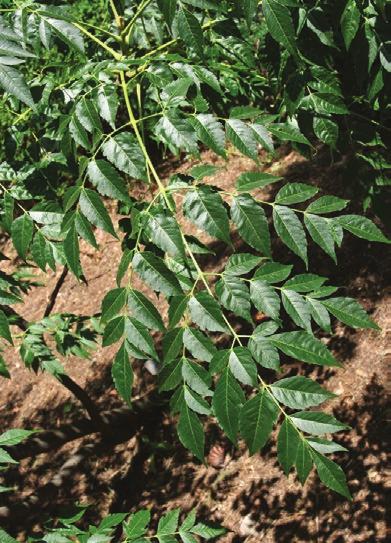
227,402
257,418
251,222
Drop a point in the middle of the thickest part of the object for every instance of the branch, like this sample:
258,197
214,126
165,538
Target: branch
56,290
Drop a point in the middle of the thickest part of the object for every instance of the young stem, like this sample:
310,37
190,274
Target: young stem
104,45
163,192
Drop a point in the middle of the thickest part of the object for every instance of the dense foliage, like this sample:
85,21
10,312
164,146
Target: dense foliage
92,106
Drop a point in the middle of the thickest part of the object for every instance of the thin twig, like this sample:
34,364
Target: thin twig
56,290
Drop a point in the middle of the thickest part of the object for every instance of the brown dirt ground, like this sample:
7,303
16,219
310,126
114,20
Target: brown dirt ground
249,495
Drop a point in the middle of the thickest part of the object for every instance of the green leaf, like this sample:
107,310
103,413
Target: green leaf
191,433
190,31
168,524
263,137
299,392
11,49
320,314
196,377
138,335
219,361
303,462
210,131
172,344
317,423
199,345
189,521
273,272
264,352
304,347
234,296
362,227
13,83
242,137
107,101
337,232
7,31
112,303
205,208
155,273
280,25
176,310
350,22
5,329
114,330
84,229
227,403
125,153
265,298
254,180
22,234
170,376
304,282
326,130
92,208
72,251
350,312
321,231
67,32
196,402
144,310
122,374
322,292
111,521
251,222
106,179
324,445
288,132
14,437
250,8
297,308
241,263
206,312
257,418
203,170
78,133
208,532
6,538
88,115
137,524
293,193
267,328
288,442
243,366
176,133
331,474
290,230
7,298
325,103
6,458
168,9
164,232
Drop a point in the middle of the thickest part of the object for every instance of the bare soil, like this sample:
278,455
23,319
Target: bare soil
249,495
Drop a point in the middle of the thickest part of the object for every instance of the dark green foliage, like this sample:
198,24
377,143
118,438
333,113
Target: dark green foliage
175,76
